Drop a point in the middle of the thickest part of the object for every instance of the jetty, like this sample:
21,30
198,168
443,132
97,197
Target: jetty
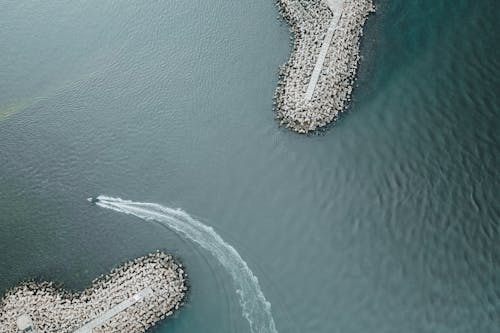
131,298
316,83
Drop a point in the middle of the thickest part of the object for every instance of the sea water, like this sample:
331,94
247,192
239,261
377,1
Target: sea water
386,221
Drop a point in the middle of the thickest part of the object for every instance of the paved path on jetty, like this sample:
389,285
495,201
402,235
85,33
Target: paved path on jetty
102,319
336,6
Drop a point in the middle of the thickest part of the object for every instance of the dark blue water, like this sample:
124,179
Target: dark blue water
386,222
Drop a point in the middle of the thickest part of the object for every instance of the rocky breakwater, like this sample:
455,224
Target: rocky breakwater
304,102
131,298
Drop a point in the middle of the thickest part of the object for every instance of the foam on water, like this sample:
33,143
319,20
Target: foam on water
255,308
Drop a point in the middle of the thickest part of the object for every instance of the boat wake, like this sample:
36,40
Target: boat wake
255,308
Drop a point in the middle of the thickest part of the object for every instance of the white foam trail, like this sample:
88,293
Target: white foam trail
255,308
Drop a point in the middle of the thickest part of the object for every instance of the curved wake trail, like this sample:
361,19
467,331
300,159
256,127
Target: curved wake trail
256,309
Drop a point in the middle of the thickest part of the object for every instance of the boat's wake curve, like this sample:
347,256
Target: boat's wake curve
256,309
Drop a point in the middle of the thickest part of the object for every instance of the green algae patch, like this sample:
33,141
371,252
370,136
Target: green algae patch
8,110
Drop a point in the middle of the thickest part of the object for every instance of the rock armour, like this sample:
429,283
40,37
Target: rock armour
54,310
309,21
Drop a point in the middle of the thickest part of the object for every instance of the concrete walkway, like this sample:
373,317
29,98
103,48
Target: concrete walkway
25,324
103,318
336,6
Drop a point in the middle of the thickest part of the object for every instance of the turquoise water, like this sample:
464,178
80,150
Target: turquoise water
384,222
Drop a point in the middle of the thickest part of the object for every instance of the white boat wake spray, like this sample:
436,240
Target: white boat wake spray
255,308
